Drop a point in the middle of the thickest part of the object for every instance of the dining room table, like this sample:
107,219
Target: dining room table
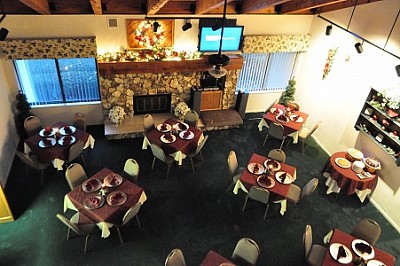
49,144
292,120
184,138
104,199
278,189
215,259
341,177
355,251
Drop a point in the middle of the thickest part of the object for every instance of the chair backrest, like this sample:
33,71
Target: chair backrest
201,145
75,175
315,127
148,123
259,194
276,130
307,240
131,212
309,188
175,258
191,118
368,230
158,153
232,163
246,249
131,167
294,105
69,224
32,125
277,154
75,150
79,121
27,160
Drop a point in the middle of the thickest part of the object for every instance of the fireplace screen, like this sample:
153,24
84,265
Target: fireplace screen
148,104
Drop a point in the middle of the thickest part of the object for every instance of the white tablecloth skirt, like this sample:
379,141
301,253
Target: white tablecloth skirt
294,135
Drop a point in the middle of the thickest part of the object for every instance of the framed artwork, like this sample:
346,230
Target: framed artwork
141,34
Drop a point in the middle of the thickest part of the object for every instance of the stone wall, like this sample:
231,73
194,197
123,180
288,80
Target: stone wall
118,89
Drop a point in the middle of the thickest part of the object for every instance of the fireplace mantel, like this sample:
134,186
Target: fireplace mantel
197,65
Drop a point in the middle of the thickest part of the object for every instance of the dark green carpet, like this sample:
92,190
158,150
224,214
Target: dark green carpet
189,211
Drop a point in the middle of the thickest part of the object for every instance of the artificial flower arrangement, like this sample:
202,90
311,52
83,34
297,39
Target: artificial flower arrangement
117,114
329,62
181,109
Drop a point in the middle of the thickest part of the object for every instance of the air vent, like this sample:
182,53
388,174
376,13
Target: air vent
112,23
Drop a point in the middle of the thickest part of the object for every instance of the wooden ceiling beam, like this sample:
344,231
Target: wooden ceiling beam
251,6
40,6
342,5
96,6
301,6
153,6
206,6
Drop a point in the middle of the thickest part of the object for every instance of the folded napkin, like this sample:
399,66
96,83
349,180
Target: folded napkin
186,134
363,248
283,177
168,137
341,253
163,127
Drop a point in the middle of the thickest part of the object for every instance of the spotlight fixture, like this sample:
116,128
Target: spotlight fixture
359,48
398,70
328,30
187,25
155,26
3,34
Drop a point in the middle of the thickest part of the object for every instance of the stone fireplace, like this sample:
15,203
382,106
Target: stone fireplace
150,104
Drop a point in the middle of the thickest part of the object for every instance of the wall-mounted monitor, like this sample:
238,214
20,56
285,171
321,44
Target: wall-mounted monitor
209,40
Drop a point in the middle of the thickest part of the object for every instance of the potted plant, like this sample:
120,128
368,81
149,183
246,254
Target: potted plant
288,94
23,107
391,100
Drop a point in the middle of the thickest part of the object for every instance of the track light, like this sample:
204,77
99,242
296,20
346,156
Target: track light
398,70
3,34
187,25
328,30
359,48
155,26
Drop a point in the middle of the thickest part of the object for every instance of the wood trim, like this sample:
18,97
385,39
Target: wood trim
198,65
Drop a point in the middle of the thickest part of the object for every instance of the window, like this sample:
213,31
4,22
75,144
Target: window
265,72
55,81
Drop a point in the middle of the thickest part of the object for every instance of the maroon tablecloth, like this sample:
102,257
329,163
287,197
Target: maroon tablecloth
277,192
214,259
183,145
346,178
106,213
341,237
57,151
290,126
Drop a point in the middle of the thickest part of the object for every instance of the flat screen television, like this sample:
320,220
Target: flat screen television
231,41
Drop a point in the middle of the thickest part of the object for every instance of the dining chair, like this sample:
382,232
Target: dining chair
293,105
277,154
75,175
76,151
234,170
305,134
130,213
158,153
79,121
313,254
33,161
131,170
191,118
258,194
296,194
368,230
32,125
246,252
84,230
197,151
148,123
276,130
175,258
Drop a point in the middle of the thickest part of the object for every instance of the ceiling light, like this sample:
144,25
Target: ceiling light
328,30
217,71
187,25
359,48
155,26
398,70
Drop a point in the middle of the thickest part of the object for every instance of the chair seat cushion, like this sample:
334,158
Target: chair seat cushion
304,132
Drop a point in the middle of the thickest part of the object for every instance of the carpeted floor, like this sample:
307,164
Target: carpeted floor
189,211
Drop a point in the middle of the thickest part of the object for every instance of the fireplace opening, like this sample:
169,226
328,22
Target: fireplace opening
150,104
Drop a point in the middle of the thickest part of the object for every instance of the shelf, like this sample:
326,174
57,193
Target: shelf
384,114
375,141
378,127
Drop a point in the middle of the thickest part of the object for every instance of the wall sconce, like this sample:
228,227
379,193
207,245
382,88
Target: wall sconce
187,25
328,30
398,70
359,47
155,26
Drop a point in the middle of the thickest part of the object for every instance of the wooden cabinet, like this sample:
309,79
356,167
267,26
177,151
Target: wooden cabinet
379,125
211,100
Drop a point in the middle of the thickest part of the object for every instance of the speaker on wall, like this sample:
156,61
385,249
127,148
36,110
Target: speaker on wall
241,103
398,70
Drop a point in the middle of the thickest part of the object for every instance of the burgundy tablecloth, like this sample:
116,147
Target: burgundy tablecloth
290,126
182,145
341,237
346,178
106,213
214,259
277,192
57,151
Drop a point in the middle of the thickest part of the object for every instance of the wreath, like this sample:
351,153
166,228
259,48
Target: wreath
145,35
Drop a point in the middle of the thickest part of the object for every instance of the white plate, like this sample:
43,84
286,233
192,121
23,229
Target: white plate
187,134
262,183
258,171
298,120
342,162
365,256
113,180
334,249
164,140
45,133
66,140
276,111
47,142
276,165
282,121
116,198
181,126
91,185
164,127
375,263
67,130
288,179
93,201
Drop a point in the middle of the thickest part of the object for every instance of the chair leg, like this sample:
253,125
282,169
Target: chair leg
154,161
280,147
245,203
265,139
191,162
138,222
119,235
201,156
229,187
302,146
266,210
41,177
169,167
86,242
69,230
